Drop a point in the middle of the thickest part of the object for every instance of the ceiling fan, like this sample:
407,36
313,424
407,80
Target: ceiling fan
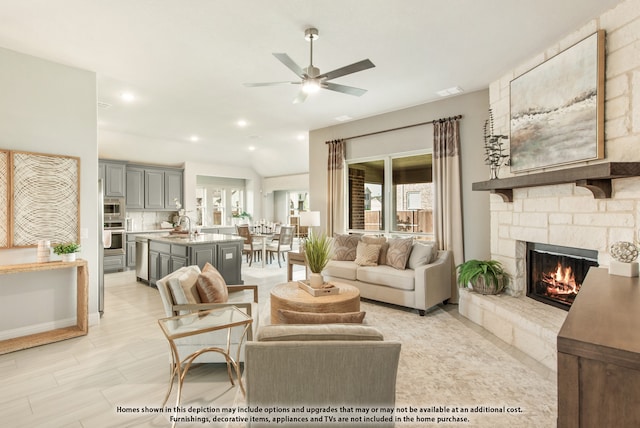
312,80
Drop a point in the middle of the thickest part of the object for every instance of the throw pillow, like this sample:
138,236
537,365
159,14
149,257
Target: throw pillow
344,247
211,286
384,246
177,294
293,317
367,254
399,252
188,280
421,254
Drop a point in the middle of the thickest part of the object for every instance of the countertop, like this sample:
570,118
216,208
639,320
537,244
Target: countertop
183,239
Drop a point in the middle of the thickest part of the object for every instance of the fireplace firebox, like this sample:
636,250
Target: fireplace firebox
555,273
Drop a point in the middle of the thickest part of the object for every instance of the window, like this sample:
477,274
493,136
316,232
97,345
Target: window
218,199
408,182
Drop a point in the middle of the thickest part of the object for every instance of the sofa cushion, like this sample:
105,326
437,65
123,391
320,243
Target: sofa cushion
399,252
344,247
302,332
387,276
384,246
294,317
422,253
211,286
367,254
341,269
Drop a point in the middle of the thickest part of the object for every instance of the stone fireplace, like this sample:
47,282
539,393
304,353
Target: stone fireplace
555,273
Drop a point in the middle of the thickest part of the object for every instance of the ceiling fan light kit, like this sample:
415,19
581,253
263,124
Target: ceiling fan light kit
311,78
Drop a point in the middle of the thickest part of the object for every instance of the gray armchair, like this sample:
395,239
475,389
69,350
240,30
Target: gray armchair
321,365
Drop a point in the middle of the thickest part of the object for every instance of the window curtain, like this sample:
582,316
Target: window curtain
335,197
448,205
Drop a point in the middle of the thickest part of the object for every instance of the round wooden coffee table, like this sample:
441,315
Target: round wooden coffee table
291,297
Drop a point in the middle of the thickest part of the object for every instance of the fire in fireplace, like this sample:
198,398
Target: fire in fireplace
555,273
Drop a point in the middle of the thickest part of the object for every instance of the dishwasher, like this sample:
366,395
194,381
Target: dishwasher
142,259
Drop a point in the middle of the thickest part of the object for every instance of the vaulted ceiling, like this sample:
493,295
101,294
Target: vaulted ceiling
185,63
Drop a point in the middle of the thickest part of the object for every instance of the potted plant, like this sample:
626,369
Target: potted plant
242,215
484,276
317,253
67,251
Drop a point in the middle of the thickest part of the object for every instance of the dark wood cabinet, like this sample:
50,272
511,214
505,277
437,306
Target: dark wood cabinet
599,354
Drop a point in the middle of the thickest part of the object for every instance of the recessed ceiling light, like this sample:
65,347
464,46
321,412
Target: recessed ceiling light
450,91
241,123
302,137
127,97
343,118
194,138
252,148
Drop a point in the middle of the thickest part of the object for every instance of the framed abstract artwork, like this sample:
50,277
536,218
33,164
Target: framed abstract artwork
557,108
45,201
4,199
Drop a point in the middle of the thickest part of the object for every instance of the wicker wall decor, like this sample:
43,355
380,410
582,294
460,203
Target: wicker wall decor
4,199
45,198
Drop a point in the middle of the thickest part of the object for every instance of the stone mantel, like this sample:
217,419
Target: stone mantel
596,178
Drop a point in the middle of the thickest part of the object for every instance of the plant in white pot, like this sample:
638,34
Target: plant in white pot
67,251
317,253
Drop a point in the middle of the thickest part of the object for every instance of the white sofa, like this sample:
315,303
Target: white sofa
420,288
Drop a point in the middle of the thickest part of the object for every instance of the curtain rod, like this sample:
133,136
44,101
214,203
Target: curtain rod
402,127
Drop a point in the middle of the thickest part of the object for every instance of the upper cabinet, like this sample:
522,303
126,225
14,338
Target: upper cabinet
113,174
153,188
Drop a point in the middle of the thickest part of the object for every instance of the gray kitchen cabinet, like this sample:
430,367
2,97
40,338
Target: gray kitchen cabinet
113,263
154,258
113,174
203,254
179,257
154,189
131,250
172,188
135,188
229,262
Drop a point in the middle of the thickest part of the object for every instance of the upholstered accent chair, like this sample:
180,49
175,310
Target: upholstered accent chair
321,365
180,295
283,245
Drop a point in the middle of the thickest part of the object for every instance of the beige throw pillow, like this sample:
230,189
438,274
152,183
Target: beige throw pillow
384,246
294,317
367,254
344,247
399,252
421,254
212,286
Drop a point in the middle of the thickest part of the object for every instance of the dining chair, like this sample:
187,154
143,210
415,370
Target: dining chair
284,244
250,247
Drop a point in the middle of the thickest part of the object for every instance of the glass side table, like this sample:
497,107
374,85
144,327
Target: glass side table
198,323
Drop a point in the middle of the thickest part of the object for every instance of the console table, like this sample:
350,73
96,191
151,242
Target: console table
82,307
599,354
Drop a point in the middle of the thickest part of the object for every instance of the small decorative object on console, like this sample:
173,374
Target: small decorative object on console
493,149
625,255
67,251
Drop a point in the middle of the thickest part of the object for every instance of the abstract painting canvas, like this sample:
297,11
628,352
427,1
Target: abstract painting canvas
557,109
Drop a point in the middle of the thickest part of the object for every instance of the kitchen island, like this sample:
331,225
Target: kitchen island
168,253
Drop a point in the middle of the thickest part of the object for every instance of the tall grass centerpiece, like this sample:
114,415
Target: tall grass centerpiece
317,253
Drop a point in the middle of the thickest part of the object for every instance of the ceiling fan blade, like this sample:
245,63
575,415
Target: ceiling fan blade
300,97
290,64
352,68
344,89
251,85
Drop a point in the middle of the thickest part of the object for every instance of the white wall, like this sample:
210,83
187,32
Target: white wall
47,107
474,109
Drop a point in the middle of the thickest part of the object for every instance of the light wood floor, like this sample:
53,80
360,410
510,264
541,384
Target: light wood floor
124,361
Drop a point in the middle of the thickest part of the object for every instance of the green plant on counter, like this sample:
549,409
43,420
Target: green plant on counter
66,248
317,251
243,214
